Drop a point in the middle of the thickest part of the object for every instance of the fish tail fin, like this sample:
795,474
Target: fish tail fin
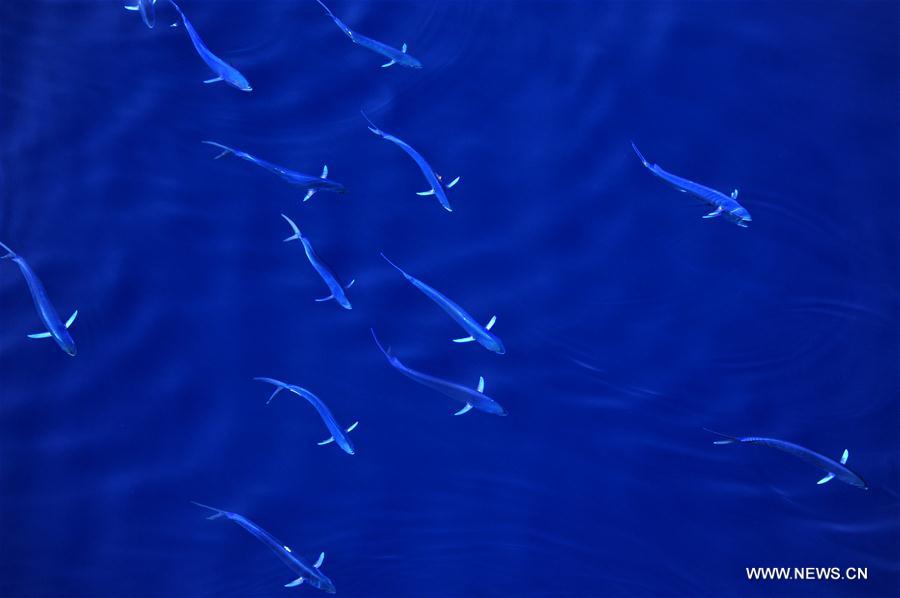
10,254
216,512
387,352
399,269
728,439
322,4
225,149
178,8
640,155
278,384
296,236
372,126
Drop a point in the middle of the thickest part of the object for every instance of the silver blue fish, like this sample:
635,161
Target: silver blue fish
434,179
223,71
833,468
55,327
338,434
337,290
310,574
722,204
311,184
394,55
477,332
147,8
471,398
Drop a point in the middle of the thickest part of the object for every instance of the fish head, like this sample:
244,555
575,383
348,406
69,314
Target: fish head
345,444
740,216
235,79
412,62
67,344
321,582
496,345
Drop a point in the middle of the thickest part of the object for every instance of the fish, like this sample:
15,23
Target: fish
833,468
471,398
477,332
147,8
394,55
434,179
338,434
337,290
56,329
722,204
312,184
223,71
311,574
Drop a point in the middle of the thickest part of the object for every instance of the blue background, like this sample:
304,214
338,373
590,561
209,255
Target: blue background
630,322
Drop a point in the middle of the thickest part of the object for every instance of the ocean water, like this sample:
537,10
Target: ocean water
630,323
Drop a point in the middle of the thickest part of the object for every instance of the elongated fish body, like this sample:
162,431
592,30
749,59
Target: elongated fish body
311,184
223,71
337,290
471,397
393,54
147,9
338,434
834,469
437,187
310,574
722,204
477,332
57,330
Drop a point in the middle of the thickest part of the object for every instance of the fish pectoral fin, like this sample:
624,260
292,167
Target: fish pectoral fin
480,384
714,213
423,193
349,284
391,63
845,456
352,427
319,560
734,194
465,409
325,298
309,194
403,49
453,182
295,583
467,339
214,80
328,440
826,479
40,335
71,319
491,323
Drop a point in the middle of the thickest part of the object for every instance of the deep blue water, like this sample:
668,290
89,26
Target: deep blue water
630,323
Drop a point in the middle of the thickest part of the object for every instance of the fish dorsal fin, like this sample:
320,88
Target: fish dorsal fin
287,548
734,194
826,479
491,323
352,426
481,384
403,49
845,456
71,319
320,560
324,172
